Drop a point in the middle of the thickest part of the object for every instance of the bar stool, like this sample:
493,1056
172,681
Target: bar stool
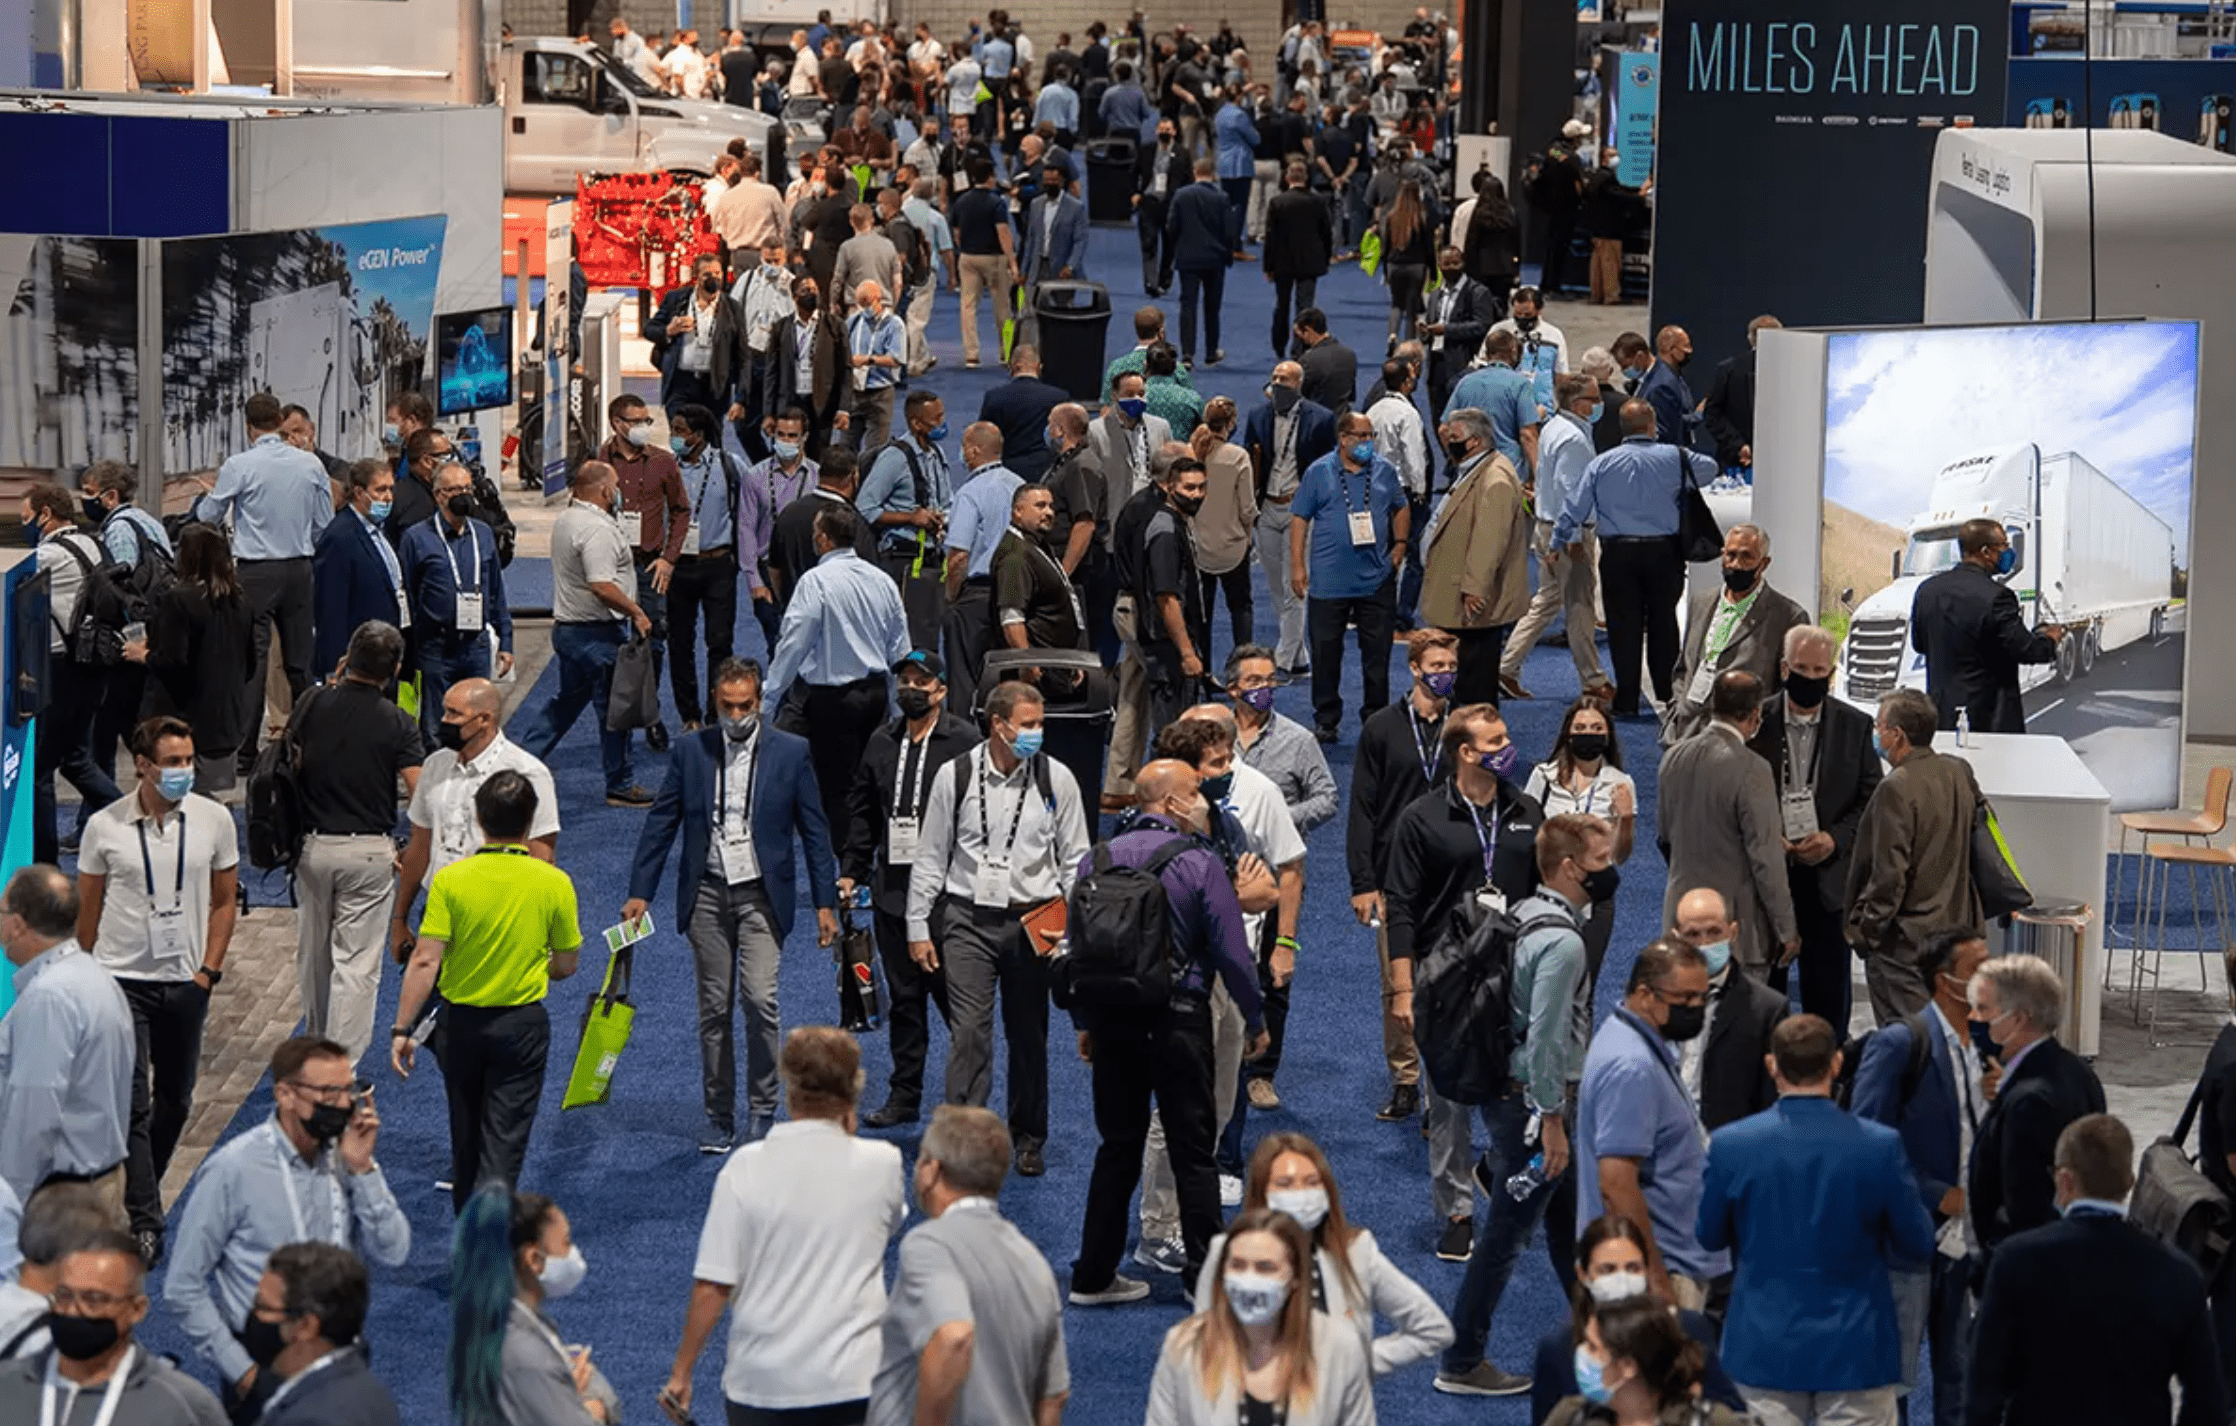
2204,824
2220,867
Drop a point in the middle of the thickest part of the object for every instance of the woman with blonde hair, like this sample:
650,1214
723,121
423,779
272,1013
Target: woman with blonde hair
1222,529
1351,1280
1257,1352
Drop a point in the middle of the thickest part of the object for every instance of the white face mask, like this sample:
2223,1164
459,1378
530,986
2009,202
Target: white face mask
561,1276
1309,1206
1256,1298
1614,1287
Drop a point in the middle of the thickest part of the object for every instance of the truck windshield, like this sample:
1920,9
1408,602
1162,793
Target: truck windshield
626,77
1930,552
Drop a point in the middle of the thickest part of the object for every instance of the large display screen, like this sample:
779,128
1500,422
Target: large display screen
2080,440
473,360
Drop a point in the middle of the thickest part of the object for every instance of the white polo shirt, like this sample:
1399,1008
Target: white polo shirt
443,802
155,900
798,1228
1271,833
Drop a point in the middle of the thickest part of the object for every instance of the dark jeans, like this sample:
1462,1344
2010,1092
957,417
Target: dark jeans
493,1063
709,582
447,657
278,594
1502,1235
836,1413
63,744
585,653
1209,289
655,607
119,715
1560,236
1409,578
1160,1056
1479,654
1156,252
748,429
837,720
1236,583
1306,291
1827,988
907,987
1324,623
1238,202
1640,582
167,1018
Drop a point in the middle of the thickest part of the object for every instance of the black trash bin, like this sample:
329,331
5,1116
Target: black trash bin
1081,710
1110,180
1091,124
1074,320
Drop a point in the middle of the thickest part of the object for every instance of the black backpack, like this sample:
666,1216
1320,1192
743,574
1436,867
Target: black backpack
1120,929
277,823
1463,1001
1913,1070
95,634
144,582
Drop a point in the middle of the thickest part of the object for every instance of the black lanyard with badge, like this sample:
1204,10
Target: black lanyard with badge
467,618
905,824
990,888
1797,806
713,458
740,862
1362,521
167,930
1488,896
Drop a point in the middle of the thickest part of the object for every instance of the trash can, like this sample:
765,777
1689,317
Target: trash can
1078,718
1110,180
2057,932
1074,319
1091,124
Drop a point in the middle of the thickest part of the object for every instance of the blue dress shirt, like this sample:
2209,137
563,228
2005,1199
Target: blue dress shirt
996,58
883,335
1564,448
845,622
279,498
66,1051
438,565
1631,490
707,484
980,514
1504,395
1058,104
890,488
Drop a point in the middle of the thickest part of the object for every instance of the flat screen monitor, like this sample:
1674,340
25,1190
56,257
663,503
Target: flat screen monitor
473,360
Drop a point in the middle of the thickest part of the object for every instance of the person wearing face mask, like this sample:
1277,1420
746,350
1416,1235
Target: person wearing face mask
769,488
698,342
1719,826
1636,1364
1299,232
1550,996
306,1329
809,367
1285,435
977,520
1352,1279
1910,873
1474,836
1585,774
1162,167
307,1174
1639,1148
1222,529
975,1331
742,794
1724,1067
2041,1087
56,1221
1161,619
905,497
1035,605
1966,623
408,413
67,556
1544,347
1741,626
1351,514
1081,512
1610,1267
654,512
455,586
1506,397
143,558
706,572
156,909
1475,581
1819,751
355,572
512,1254
97,1374
1729,410
1567,585
1258,1350
1458,317
1814,1205
1662,385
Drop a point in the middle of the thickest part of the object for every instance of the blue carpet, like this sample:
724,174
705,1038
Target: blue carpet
629,1176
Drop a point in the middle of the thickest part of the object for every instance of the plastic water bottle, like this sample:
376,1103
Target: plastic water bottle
1964,727
1532,1178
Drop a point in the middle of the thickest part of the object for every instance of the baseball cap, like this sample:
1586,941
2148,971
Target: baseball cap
923,660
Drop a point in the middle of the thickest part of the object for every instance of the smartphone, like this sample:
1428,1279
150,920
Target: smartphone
676,1413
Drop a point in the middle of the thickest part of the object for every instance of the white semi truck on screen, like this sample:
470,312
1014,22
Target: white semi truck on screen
2090,556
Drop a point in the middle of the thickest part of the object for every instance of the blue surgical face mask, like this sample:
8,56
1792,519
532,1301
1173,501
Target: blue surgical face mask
1363,452
390,436
1135,407
1599,408
1718,955
678,444
1878,748
378,510
787,450
1591,1377
1025,742
937,433
2006,560
174,783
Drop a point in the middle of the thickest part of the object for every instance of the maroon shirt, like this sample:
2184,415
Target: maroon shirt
652,486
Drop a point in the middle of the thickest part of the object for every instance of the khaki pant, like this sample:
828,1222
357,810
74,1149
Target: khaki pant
1160,1197
1873,1407
919,325
982,274
346,886
1607,270
1265,181
1129,730
1397,1037
1567,586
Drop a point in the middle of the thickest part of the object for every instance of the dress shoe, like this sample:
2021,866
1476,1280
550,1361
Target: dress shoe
631,796
656,737
1404,1100
1263,1095
1512,688
890,1115
1029,1162
1327,735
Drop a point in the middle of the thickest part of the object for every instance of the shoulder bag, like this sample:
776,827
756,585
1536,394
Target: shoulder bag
1698,537
2175,1203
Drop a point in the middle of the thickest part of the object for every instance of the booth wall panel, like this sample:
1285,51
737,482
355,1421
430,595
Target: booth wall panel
97,175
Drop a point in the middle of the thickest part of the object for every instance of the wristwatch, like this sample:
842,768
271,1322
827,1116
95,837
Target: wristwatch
401,1032
213,973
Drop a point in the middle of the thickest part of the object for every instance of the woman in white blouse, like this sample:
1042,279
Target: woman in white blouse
1585,774
1351,1280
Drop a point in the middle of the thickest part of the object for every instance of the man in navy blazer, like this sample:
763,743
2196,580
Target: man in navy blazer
1921,1077
1020,407
1053,246
2083,1322
2044,1087
355,574
1205,233
1813,1204
740,792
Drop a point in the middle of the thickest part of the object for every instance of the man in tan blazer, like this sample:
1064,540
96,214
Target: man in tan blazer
1911,871
1720,827
1475,565
1741,627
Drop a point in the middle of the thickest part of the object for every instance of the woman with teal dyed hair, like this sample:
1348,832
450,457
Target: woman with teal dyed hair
509,1365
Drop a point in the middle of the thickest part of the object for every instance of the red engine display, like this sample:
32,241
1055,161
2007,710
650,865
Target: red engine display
640,230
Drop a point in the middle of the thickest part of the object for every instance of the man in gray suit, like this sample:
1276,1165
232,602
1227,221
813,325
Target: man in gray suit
1720,826
1911,870
1124,441
1739,628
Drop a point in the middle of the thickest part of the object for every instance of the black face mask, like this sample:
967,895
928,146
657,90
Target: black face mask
94,509
807,304
914,702
1685,1023
81,1339
1187,504
460,505
1456,450
326,1122
450,735
1739,581
1600,886
1524,324
1803,691
262,1340
710,284
1285,399
1587,747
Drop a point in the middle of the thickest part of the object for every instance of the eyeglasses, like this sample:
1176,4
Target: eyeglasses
1697,997
326,1093
72,1301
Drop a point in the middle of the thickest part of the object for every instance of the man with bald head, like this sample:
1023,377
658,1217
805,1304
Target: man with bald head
1162,1055
1724,1068
975,525
878,345
1663,386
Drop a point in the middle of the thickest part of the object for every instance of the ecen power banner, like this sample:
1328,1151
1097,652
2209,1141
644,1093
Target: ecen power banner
1795,153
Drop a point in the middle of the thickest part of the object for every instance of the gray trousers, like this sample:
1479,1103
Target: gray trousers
345,887
1129,728
734,946
1450,1129
1873,1407
982,950
1272,538
1567,586
1160,1195
1897,986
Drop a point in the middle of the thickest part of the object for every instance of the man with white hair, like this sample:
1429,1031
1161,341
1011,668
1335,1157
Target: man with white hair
1566,584
1739,628
2042,1087
878,341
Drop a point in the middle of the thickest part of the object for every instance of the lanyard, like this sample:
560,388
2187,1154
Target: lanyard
457,586
698,501
915,773
1816,752
1345,476
147,863
50,1409
1486,836
752,751
1430,753
280,1150
1591,790
985,794
1285,451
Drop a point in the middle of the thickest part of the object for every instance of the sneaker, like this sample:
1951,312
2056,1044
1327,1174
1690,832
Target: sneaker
1029,1161
1121,1289
1163,1255
717,1141
1404,1099
1457,1240
1217,356
1230,1190
1482,1379
630,796
1263,1095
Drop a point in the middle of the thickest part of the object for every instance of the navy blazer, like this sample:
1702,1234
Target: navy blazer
1930,1123
2009,1186
1674,419
1020,406
349,584
341,1393
1067,246
1813,1205
1202,227
787,806
1315,438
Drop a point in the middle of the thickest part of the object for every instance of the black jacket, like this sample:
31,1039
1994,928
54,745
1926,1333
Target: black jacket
1492,248
1466,322
1300,235
1180,171
1436,858
741,71
1020,406
1610,207
1730,409
341,1393
869,803
1734,1081
1202,228
1387,774
2082,1322
833,376
1331,375
726,362
1848,772
1607,432
2009,1188
1968,626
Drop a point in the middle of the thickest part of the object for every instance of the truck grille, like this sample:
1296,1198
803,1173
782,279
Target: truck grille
1876,648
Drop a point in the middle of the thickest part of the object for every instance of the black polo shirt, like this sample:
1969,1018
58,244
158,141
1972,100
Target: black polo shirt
792,537
1079,492
355,743
977,217
1028,579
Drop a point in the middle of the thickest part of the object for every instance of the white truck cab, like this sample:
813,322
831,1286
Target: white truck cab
572,108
